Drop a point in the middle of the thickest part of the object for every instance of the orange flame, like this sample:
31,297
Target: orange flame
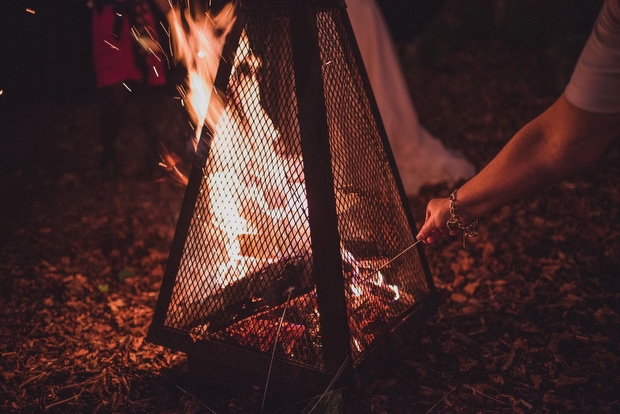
197,44
236,179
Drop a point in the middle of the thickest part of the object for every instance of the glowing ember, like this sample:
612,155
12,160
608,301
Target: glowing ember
147,41
379,279
396,293
170,163
357,291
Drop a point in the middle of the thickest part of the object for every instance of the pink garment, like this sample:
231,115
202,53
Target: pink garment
114,57
595,83
421,158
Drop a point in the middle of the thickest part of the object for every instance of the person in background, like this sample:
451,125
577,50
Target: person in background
127,59
571,134
420,157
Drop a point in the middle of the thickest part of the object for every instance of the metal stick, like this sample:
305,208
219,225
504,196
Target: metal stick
375,271
273,352
398,255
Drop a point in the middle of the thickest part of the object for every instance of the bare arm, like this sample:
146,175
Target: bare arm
560,141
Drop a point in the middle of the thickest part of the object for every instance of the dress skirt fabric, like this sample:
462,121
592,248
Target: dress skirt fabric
421,158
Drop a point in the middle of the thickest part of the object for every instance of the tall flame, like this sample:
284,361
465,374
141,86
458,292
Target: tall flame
197,43
250,193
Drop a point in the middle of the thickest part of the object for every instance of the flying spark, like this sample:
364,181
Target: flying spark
125,85
30,11
111,45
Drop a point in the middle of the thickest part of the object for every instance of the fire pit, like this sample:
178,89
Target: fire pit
294,229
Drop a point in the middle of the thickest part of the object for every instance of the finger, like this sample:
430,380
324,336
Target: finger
424,232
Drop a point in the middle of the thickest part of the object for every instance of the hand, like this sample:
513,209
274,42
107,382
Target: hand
435,228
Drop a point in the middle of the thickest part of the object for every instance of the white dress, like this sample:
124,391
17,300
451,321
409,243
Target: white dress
420,157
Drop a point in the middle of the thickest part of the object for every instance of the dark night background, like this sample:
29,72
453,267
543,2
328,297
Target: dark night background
531,322
49,52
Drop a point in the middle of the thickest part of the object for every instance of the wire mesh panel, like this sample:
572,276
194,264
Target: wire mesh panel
372,223
249,239
294,225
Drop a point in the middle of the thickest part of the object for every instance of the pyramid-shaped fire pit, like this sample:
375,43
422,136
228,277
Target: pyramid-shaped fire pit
294,222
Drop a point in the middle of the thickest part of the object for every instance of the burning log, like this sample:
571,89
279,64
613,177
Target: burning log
260,333
260,290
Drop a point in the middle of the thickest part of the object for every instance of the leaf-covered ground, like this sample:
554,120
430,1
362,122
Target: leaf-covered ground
531,322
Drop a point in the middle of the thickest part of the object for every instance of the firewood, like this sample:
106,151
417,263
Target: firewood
264,288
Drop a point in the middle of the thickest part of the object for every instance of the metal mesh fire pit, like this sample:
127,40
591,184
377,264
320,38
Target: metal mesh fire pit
294,208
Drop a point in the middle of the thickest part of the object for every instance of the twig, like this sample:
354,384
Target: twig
526,404
510,359
439,402
273,352
344,364
61,402
199,402
87,382
29,380
483,394
490,290
301,402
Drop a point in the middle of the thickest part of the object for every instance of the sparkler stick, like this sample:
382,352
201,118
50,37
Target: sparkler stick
375,271
200,402
273,352
398,255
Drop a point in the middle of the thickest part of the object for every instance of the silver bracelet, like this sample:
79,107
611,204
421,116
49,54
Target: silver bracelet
455,222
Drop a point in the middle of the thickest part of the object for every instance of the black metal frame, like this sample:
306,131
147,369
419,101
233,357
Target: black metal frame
327,261
390,155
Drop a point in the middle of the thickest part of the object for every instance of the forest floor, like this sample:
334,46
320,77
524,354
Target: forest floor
530,323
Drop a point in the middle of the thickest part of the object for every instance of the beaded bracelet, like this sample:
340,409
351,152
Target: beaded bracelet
455,223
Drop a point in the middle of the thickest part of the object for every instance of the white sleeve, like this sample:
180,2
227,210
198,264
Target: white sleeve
595,83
